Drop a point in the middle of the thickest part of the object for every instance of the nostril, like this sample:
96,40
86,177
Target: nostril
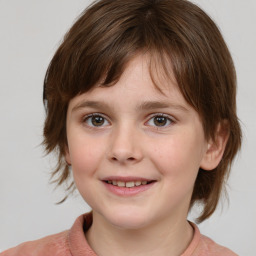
123,159
131,159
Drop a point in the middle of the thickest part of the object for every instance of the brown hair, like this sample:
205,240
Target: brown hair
105,38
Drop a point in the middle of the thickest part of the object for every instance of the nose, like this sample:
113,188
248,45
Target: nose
125,146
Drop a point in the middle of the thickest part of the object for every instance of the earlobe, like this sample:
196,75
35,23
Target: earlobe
216,147
67,156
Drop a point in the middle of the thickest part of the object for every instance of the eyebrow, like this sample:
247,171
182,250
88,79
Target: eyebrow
91,104
146,105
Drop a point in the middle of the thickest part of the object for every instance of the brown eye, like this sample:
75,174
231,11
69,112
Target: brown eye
159,121
96,121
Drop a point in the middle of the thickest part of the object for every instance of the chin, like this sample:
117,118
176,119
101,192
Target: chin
129,223
129,219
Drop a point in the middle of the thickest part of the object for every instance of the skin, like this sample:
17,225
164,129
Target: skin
128,141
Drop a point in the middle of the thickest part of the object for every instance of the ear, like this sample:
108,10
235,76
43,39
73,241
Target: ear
67,156
216,147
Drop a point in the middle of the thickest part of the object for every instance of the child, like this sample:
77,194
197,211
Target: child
141,108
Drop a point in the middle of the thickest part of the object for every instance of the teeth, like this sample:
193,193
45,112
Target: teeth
121,184
137,183
128,184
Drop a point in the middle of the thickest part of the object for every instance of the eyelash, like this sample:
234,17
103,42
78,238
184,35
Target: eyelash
167,117
88,118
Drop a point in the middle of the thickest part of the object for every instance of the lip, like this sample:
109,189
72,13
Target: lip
125,191
126,179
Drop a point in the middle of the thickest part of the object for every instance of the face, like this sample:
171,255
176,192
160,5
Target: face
135,151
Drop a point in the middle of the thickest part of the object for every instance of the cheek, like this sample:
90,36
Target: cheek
178,156
85,155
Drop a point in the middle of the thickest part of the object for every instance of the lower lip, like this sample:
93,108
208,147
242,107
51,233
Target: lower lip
124,191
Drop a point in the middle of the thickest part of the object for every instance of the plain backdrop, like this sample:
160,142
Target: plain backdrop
30,32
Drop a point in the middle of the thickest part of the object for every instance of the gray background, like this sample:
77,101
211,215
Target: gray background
30,31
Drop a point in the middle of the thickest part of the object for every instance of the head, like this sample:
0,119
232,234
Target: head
182,44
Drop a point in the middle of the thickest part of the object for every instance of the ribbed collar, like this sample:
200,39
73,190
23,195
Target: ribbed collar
79,246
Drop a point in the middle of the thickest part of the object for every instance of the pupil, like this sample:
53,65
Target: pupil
97,120
160,121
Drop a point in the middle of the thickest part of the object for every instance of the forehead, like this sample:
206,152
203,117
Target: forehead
143,80
151,71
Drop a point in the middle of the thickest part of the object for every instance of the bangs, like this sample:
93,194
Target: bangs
183,45
100,58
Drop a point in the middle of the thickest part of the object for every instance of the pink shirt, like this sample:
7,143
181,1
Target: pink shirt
73,243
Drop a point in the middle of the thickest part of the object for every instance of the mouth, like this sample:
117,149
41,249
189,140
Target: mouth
129,184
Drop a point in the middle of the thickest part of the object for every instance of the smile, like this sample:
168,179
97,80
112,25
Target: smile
128,184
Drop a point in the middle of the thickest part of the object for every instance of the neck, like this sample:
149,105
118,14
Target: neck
162,238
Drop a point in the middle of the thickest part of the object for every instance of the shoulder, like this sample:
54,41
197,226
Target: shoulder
207,245
54,245
66,243
204,246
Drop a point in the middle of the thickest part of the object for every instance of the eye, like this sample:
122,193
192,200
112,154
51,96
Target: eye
96,120
160,120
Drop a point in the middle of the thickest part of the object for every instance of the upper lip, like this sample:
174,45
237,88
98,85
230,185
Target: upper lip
126,179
